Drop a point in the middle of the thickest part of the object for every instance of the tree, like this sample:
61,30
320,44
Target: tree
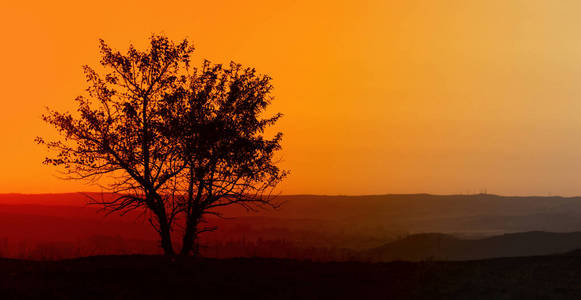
227,158
120,129
177,143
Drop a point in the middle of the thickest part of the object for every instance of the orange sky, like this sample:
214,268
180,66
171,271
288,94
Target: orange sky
379,96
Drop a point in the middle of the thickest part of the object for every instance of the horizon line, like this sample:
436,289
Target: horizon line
334,195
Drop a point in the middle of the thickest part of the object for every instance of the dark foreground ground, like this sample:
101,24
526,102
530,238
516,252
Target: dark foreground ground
155,277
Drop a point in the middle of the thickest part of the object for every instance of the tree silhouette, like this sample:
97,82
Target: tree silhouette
178,142
227,158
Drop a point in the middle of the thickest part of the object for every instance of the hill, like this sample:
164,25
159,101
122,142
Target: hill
405,212
56,226
435,246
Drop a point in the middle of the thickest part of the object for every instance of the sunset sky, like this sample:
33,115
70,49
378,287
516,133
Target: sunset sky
379,96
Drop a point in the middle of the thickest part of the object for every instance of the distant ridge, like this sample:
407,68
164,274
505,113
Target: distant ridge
437,246
354,223
478,214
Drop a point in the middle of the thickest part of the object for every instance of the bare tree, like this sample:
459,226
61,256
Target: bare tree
120,129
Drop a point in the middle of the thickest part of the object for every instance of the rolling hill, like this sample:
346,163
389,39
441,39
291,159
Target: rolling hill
437,246
48,226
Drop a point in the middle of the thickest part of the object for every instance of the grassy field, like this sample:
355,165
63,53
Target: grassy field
156,277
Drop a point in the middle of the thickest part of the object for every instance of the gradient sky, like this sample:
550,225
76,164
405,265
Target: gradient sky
379,96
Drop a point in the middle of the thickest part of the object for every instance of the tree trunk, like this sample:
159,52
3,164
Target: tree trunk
165,234
190,238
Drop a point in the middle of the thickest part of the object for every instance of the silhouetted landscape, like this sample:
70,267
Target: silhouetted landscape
57,246
290,150
364,228
156,277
